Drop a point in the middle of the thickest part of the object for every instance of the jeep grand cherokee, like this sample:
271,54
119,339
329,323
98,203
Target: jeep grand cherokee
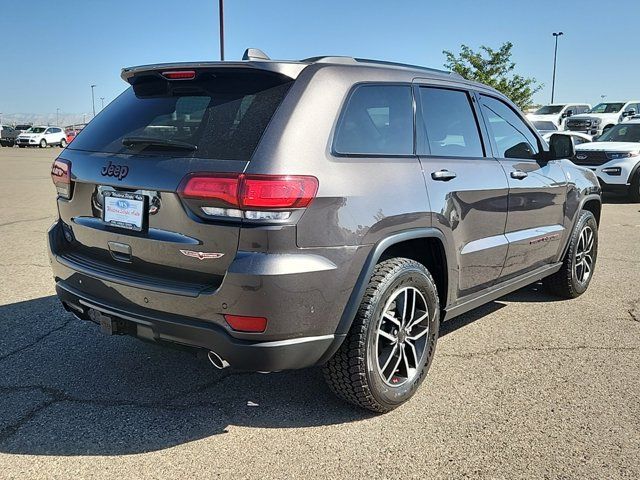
331,211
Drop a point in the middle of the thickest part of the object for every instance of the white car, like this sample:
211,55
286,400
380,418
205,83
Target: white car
615,158
42,137
557,113
578,138
603,116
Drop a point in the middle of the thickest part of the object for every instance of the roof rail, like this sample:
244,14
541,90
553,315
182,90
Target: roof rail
352,60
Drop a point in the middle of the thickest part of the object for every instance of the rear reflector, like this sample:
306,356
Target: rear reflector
180,75
254,192
246,324
61,177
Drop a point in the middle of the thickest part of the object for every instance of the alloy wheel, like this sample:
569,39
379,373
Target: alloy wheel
583,263
401,336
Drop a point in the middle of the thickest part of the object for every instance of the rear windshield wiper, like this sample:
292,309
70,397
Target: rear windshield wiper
158,142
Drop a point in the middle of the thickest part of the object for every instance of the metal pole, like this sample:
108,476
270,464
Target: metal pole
102,100
555,58
221,15
93,102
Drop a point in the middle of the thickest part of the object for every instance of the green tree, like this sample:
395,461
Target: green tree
494,68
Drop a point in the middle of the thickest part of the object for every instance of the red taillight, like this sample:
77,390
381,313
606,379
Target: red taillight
219,187
259,192
270,191
246,324
180,75
61,176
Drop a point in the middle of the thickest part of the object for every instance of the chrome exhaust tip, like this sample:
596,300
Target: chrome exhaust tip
217,361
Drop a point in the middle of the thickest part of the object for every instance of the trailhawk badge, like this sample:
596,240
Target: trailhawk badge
202,255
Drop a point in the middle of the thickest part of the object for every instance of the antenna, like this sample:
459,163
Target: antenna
254,54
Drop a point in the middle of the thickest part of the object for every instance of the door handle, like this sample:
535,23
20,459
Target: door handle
519,174
443,175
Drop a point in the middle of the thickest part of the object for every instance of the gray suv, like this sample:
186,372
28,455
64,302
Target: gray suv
331,211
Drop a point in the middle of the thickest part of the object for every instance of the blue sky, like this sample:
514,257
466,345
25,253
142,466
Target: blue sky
54,49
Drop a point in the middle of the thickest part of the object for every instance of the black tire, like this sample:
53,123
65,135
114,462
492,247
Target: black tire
570,281
63,143
354,373
634,188
43,143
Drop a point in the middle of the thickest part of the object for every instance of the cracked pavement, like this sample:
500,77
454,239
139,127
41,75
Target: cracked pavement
524,387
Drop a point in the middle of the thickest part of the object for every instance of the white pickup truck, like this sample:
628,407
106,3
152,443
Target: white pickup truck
558,113
603,116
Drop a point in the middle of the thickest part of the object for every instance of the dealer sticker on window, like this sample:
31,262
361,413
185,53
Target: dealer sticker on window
124,209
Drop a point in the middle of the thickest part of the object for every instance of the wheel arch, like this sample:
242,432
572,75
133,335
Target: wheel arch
425,245
406,244
594,205
591,203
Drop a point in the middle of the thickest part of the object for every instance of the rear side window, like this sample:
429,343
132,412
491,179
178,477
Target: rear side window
221,114
450,125
377,120
510,133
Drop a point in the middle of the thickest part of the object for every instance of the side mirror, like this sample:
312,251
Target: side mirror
561,146
568,113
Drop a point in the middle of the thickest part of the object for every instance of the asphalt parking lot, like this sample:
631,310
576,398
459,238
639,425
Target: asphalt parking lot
525,387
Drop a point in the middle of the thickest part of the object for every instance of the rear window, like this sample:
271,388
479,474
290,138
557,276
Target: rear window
378,120
222,114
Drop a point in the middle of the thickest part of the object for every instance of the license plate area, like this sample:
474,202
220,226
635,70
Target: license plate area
126,210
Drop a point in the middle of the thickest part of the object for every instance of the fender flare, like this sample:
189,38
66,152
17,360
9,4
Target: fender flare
366,272
583,201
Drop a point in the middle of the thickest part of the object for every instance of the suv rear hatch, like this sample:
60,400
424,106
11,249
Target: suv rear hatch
124,219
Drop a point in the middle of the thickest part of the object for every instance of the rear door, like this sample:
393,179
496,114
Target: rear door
468,189
537,190
125,216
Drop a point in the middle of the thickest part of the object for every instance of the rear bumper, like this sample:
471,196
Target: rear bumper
240,354
299,293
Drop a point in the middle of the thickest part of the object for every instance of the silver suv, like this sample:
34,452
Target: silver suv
331,211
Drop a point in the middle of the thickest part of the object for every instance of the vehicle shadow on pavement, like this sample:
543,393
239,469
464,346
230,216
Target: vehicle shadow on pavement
66,389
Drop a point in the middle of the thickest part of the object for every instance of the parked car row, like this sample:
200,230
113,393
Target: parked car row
35,136
576,117
606,137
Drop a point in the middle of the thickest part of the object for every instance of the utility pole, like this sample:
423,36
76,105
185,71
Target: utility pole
221,15
555,58
93,102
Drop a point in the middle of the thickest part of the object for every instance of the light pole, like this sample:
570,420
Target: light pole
555,58
102,100
221,15
93,102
